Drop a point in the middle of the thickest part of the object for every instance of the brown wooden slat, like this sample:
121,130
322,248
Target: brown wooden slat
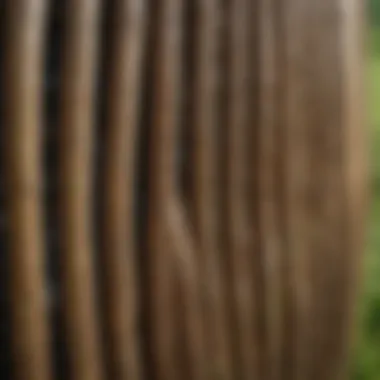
124,75
205,187
239,242
24,43
76,135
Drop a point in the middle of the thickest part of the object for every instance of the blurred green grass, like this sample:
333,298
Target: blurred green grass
366,364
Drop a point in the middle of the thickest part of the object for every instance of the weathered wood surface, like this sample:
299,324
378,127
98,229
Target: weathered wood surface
123,76
24,37
209,187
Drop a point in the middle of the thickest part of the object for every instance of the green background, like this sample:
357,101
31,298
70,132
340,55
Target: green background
366,361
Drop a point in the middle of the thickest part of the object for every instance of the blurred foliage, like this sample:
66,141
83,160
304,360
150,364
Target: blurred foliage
366,363
374,11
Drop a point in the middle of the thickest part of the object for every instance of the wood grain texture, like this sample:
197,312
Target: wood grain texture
162,182
317,191
24,44
204,196
269,185
118,227
238,248
247,269
189,308
356,153
75,172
